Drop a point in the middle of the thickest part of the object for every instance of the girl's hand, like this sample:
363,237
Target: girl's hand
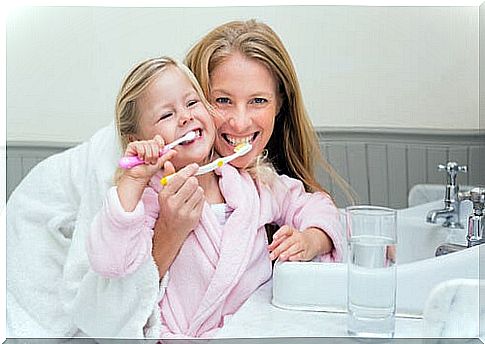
293,245
134,180
148,151
181,202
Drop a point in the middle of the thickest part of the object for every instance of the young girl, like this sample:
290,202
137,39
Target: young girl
225,257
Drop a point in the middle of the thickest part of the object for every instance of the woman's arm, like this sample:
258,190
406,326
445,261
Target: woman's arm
181,203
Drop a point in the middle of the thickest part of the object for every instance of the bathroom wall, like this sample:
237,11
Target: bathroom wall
359,66
392,91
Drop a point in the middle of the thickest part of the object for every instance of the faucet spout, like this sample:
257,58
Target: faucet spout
450,213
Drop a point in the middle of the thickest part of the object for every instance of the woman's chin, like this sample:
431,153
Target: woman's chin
242,162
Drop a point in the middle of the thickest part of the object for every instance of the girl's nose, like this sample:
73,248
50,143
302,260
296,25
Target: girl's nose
186,117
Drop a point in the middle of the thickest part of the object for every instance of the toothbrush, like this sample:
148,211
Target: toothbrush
239,150
128,162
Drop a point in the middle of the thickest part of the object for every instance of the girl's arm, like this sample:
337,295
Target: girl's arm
118,241
294,245
311,224
120,237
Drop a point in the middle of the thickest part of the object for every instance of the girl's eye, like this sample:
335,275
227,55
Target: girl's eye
222,100
192,103
165,116
259,101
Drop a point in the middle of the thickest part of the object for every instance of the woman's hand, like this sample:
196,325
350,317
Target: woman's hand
181,202
293,245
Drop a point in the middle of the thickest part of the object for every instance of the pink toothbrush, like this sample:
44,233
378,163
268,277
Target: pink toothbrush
128,162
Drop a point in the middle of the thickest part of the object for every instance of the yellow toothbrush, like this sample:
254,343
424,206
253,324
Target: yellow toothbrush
239,150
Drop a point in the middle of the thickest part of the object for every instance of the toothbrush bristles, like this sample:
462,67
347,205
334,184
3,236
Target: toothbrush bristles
190,136
239,147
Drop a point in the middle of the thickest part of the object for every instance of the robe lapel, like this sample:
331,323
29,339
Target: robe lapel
236,246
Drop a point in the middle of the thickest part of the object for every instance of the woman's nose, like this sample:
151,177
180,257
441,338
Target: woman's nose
239,120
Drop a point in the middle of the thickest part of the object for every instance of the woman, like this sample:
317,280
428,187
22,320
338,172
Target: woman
233,64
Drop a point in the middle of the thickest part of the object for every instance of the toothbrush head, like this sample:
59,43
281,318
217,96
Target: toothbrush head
242,148
189,136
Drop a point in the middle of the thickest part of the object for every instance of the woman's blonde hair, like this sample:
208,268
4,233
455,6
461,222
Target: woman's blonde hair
127,116
293,129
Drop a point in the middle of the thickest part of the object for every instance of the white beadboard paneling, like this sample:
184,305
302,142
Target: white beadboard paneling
476,165
397,175
14,173
358,177
337,156
380,166
459,154
323,177
416,165
436,156
378,174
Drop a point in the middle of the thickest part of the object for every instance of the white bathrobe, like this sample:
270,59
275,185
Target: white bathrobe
47,218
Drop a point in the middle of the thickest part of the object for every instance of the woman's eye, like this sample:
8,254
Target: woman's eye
259,101
165,116
222,100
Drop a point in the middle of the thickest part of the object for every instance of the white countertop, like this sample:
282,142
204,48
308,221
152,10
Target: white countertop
451,308
258,318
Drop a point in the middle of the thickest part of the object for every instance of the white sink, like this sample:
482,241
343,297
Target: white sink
323,286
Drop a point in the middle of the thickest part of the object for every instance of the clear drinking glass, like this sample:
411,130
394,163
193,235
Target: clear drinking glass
371,285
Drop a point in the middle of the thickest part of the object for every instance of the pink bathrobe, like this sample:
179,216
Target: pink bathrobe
218,267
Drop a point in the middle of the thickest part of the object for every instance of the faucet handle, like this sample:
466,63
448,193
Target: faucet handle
476,195
452,166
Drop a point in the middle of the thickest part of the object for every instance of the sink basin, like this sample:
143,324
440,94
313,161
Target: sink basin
323,286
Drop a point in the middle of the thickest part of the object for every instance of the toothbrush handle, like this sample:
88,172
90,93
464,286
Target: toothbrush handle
128,162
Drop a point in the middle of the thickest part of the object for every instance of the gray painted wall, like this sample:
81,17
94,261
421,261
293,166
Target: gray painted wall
380,165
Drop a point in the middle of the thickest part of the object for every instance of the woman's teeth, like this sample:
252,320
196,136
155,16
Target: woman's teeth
234,141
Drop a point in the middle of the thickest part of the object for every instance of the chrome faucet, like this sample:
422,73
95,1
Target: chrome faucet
451,211
475,222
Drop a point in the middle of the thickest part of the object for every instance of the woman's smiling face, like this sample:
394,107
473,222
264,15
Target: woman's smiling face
244,92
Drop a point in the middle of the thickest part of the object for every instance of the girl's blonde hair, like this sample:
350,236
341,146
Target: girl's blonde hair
293,129
127,116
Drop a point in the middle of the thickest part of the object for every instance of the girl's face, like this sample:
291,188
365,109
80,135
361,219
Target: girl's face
245,93
171,107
